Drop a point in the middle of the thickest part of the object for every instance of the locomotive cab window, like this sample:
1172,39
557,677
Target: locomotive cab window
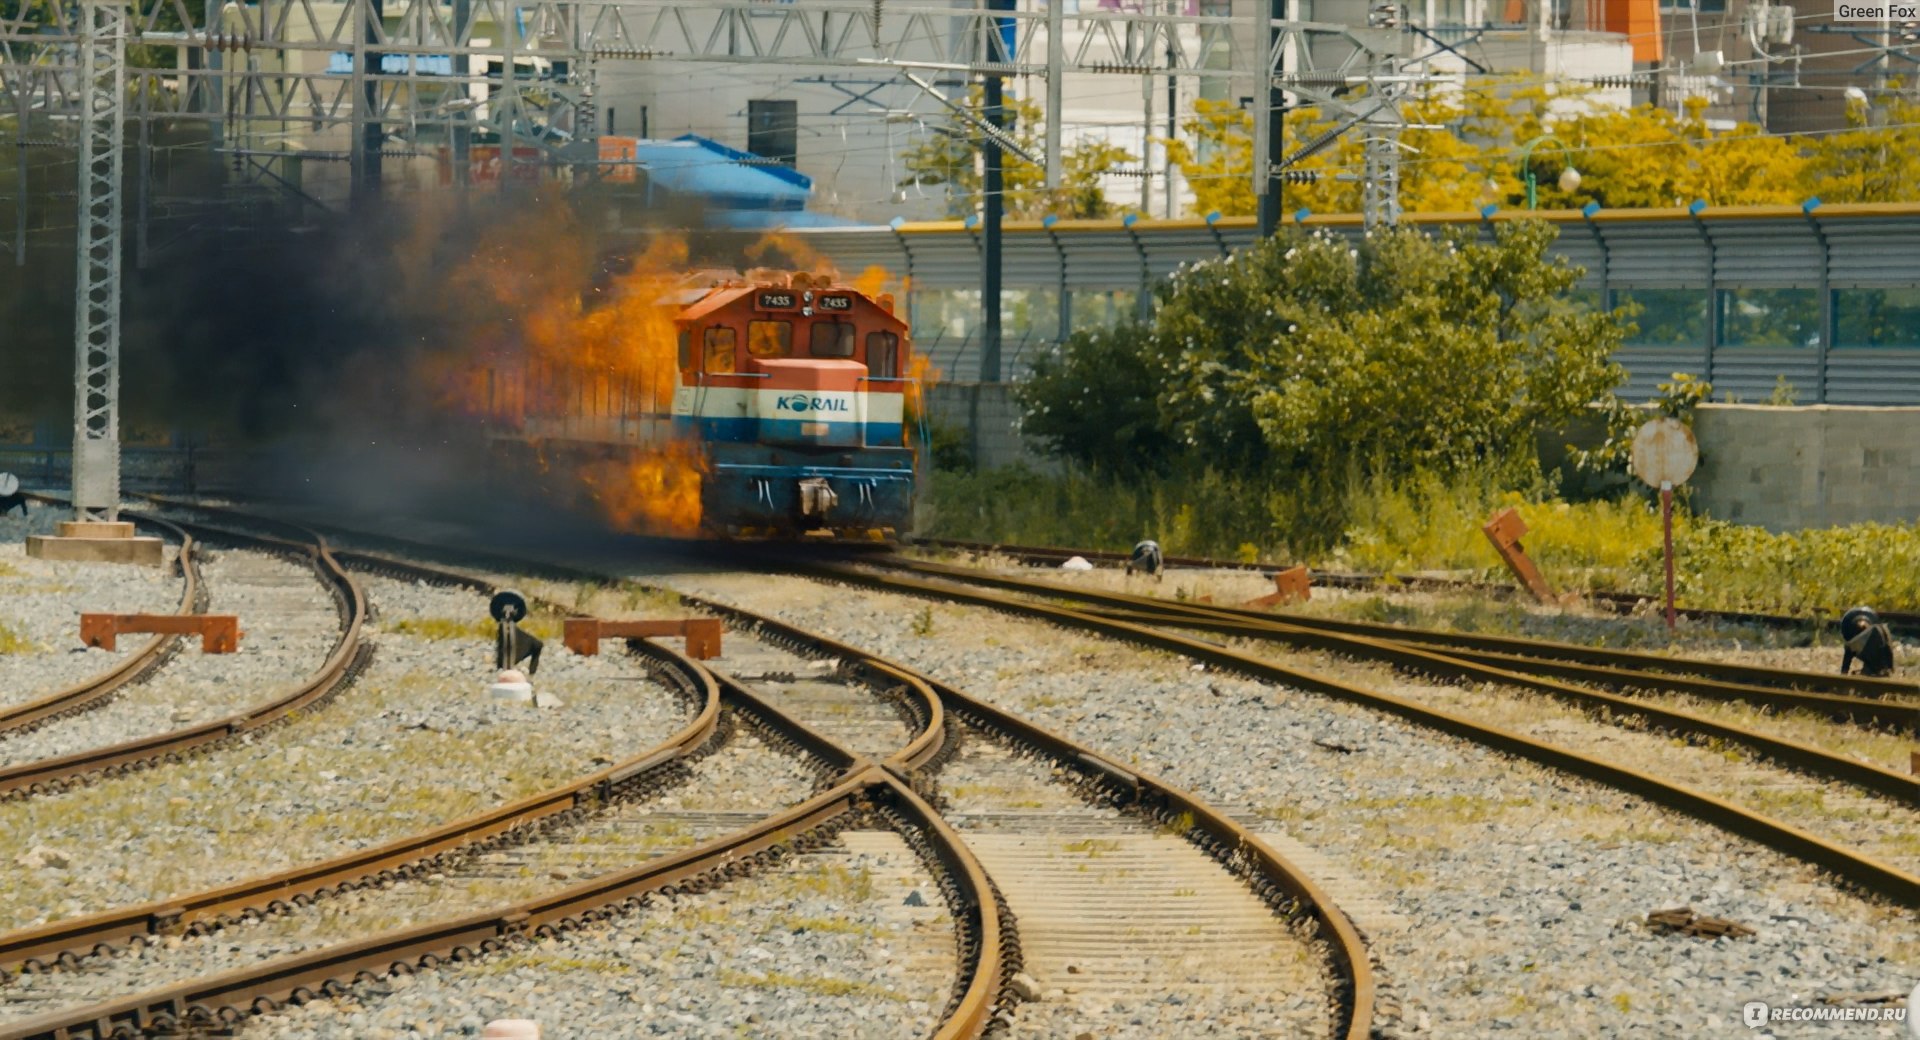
686,349
719,350
769,338
832,339
883,355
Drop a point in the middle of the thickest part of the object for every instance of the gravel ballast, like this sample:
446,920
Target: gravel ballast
731,788
416,742
1524,891
825,945
289,626
40,648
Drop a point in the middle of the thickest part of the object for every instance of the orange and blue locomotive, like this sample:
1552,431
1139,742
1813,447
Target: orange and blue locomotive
787,410
799,393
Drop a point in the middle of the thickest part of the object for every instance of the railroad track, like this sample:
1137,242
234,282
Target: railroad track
985,989
1460,657
1161,631
348,657
1902,622
138,665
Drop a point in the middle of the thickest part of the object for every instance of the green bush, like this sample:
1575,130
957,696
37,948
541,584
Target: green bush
1814,572
1303,365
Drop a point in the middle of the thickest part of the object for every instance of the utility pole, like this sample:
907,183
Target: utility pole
995,207
96,306
1271,117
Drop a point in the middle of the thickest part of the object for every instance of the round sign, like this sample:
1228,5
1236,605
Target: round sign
507,605
1664,452
8,484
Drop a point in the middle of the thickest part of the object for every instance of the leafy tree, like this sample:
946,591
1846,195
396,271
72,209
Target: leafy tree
1637,157
1877,160
948,155
1311,360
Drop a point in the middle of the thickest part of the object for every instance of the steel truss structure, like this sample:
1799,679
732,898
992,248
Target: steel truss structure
400,78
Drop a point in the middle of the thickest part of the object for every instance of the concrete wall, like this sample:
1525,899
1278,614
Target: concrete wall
1819,466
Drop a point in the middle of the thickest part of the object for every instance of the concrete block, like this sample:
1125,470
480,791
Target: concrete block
148,552
96,529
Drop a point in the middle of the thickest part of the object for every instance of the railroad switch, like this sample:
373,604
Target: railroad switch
219,633
1504,531
583,635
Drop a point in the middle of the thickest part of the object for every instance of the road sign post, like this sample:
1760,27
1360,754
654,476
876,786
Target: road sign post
1664,455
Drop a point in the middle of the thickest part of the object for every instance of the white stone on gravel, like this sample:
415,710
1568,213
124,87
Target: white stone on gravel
41,602
1524,889
415,743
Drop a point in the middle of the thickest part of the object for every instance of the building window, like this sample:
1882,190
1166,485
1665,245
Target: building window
773,130
769,338
1876,318
1769,317
1665,317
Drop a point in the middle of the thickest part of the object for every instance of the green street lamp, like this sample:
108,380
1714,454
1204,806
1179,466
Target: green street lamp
1569,178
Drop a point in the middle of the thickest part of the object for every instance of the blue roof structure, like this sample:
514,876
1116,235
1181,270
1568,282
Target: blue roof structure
709,172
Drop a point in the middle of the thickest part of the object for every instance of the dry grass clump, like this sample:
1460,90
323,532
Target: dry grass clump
12,642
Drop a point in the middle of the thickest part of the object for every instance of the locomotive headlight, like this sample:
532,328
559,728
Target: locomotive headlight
806,312
806,297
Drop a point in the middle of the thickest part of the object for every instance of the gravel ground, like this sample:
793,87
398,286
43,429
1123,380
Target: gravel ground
826,945
40,649
1524,890
415,743
731,788
289,625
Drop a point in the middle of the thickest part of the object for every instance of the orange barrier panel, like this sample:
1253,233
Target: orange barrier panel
219,633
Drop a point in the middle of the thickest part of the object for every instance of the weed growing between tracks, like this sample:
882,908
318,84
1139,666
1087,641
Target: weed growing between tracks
1426,524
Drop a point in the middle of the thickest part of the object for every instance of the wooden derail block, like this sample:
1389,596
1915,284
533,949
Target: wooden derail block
1504,531
219,633
583,635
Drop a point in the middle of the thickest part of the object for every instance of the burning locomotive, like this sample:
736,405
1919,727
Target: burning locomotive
786,410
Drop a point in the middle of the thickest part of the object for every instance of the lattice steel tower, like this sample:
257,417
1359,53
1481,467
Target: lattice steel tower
96,376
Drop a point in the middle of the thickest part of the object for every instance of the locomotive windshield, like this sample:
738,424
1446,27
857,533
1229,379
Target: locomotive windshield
832,339
883,355
719,355
769,338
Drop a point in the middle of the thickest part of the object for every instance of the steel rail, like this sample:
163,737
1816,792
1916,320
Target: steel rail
1419,659
138,665
1885,713
1279,882
1228,841
1856,868
348,657
411,856
1903,622
225,998
1856,685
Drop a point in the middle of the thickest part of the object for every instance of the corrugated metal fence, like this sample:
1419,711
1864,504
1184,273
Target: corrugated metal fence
1818,303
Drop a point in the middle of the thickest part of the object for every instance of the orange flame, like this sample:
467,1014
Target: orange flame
656,492
543,347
